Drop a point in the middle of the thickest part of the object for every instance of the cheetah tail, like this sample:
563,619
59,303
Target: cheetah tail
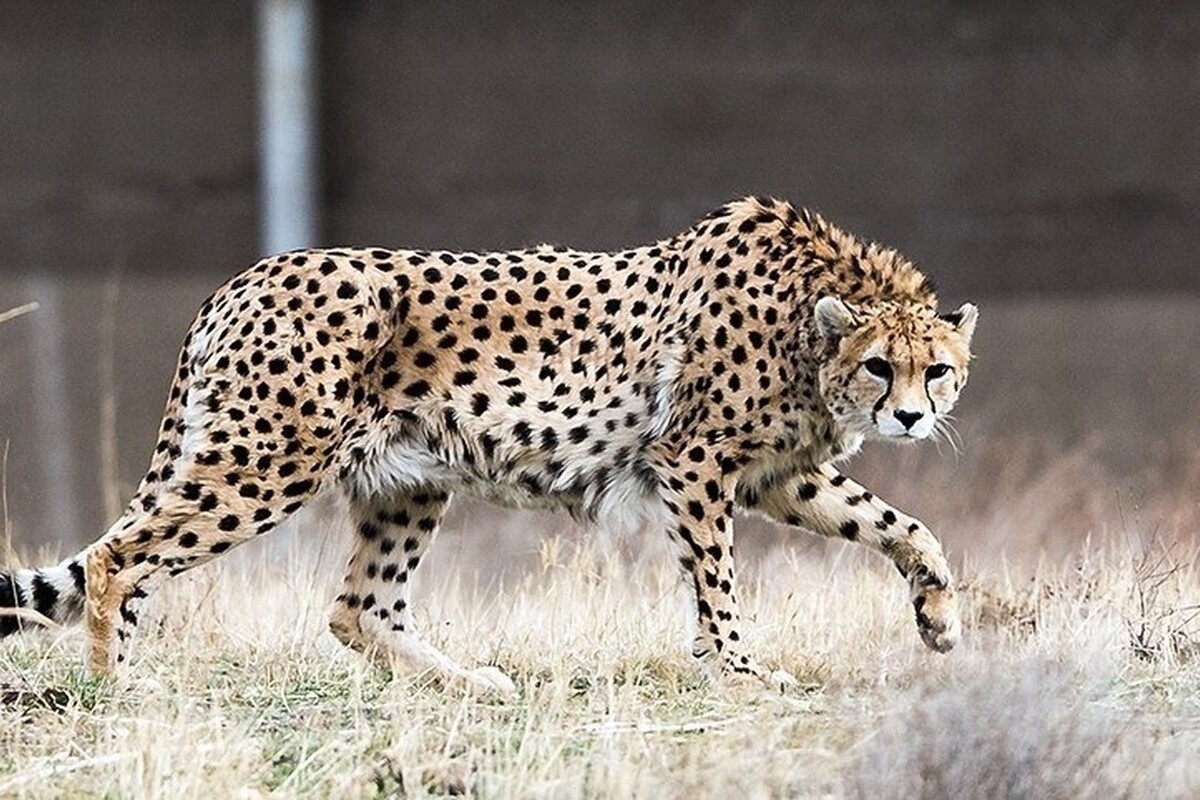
53,592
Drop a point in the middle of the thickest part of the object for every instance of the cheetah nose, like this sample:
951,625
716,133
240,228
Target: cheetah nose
907,418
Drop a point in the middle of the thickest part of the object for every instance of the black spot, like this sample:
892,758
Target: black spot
9,598
417,389
523,432
77,577
45,596
849,530
297,488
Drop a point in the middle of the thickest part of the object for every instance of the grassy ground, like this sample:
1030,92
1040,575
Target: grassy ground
1081,680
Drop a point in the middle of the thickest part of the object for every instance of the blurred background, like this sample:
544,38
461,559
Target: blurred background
1041,161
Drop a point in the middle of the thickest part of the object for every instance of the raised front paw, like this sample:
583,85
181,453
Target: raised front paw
937,619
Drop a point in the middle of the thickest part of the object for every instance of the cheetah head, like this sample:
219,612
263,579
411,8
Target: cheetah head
893,370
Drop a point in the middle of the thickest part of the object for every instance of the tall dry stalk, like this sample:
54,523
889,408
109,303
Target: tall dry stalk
110,486
9,555
13,313
5,316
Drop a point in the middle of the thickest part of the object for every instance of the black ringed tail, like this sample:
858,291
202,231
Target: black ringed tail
54,592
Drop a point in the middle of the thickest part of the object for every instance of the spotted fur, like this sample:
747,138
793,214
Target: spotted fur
731,365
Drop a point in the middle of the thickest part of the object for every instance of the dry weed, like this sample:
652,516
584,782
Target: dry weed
236,689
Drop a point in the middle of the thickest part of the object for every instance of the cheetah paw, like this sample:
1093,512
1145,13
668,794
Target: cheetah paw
754,676
490,679
937,620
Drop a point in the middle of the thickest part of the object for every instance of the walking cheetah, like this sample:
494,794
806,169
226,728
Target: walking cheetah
732,365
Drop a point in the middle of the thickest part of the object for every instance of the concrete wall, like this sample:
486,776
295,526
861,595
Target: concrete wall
127,136
1009,147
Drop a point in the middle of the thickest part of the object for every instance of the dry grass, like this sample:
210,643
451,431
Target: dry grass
236,690
1079,675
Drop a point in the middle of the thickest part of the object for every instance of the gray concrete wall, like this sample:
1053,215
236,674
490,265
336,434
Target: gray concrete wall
126,136
1009,147
1012,149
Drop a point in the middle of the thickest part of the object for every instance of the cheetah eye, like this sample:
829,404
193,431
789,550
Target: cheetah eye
878,367
936,371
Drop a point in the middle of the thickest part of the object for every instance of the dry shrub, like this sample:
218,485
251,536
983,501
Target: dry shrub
1164,615
997,608
1033,734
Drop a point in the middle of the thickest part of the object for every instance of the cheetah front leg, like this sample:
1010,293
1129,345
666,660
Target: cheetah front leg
701,526
373,614
827,502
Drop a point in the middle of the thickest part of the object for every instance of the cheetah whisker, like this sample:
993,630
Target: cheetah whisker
944,430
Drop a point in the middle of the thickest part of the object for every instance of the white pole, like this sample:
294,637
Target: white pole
287,137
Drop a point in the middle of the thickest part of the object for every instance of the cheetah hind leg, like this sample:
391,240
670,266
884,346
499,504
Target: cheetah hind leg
140,551
373,613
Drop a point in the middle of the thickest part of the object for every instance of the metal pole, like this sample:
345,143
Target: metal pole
287,138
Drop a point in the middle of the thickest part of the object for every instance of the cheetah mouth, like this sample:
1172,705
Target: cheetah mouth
905,437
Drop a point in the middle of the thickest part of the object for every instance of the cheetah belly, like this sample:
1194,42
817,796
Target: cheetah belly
618,496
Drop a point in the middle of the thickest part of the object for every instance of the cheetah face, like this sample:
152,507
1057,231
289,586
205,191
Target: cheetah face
894,371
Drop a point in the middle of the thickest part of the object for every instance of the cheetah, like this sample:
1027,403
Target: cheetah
731,366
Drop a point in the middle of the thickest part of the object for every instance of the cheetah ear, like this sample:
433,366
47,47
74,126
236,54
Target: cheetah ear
963,319
834,318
